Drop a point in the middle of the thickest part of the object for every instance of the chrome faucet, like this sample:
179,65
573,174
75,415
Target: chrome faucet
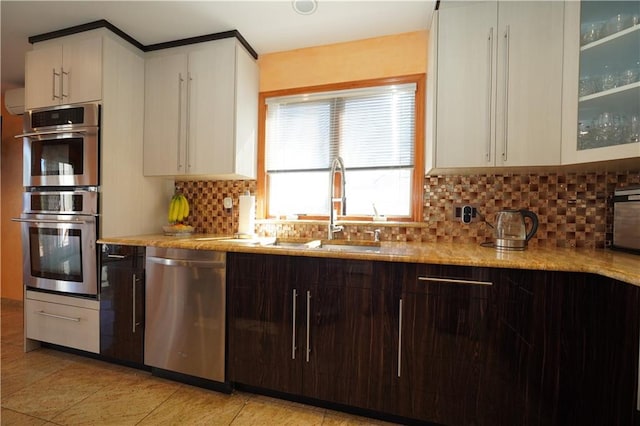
337,166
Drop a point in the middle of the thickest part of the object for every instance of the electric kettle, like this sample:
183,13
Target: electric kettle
511,230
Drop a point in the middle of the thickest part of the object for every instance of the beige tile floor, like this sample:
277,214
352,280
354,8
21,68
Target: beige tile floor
49,387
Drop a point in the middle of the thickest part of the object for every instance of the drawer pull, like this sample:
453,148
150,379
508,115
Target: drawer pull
46,314
116,256
454,281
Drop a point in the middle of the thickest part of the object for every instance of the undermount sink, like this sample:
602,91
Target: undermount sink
351,246
329,245
301,244
256,241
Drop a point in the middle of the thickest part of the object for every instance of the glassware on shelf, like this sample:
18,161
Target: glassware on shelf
604,128
588,85
629,76
592,32
585,135
617,23
634,129
609,79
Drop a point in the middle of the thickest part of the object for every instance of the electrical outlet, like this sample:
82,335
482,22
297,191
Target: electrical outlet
227,202
465,212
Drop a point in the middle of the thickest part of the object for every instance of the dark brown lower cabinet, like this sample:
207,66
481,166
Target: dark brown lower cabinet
443,339
452,345
262,348
584,360
350,322
122,303
310,326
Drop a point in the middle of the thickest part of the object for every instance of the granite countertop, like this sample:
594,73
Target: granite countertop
613,264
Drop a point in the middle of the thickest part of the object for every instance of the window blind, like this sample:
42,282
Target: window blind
372,129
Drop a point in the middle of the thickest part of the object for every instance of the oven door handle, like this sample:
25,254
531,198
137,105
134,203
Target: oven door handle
18,219
80,131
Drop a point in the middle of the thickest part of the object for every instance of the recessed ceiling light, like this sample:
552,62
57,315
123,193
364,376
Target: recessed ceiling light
304,7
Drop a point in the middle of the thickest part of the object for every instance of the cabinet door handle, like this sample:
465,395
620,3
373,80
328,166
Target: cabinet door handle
489,93
638,387
180,81
293,329
454,281
133,311
506,92
400,340
46,314
62,74
308,324
188,124
53,85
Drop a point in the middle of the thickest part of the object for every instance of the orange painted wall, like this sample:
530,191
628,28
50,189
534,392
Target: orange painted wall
398,54
11,202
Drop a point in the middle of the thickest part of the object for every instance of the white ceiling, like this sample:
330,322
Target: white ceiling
268,25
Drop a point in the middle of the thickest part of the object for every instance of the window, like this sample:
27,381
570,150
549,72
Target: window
373,126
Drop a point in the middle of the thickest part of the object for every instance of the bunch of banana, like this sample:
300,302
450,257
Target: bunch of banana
178,208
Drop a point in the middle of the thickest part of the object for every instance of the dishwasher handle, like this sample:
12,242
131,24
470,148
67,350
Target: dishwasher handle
187,263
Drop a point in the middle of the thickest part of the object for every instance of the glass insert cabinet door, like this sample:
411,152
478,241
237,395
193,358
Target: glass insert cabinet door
609,74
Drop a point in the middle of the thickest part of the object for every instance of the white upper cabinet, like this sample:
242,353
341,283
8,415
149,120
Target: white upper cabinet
164,112
64,71
496,90
601,81
201,111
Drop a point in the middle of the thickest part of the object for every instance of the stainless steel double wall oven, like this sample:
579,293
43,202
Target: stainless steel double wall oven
60,202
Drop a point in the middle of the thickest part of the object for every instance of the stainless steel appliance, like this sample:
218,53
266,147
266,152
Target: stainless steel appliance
626,218
511,230
59,231
185,312
61,146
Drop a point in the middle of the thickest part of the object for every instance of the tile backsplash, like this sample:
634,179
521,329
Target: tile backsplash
574,209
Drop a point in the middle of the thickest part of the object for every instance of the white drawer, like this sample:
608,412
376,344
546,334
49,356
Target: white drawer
65,325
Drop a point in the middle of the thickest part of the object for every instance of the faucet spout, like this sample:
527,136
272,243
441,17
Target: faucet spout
337,166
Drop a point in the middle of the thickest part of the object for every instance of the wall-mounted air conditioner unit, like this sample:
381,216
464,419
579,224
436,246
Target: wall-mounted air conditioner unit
14,101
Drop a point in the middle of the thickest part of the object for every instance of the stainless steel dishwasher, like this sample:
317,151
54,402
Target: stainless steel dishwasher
185,312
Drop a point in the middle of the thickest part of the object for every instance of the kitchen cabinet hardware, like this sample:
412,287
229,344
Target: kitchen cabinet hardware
400,339
308,325
293,324
454,281
133,303
489,111
116,256
62,74
179,135
53,85
505,136
62,317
